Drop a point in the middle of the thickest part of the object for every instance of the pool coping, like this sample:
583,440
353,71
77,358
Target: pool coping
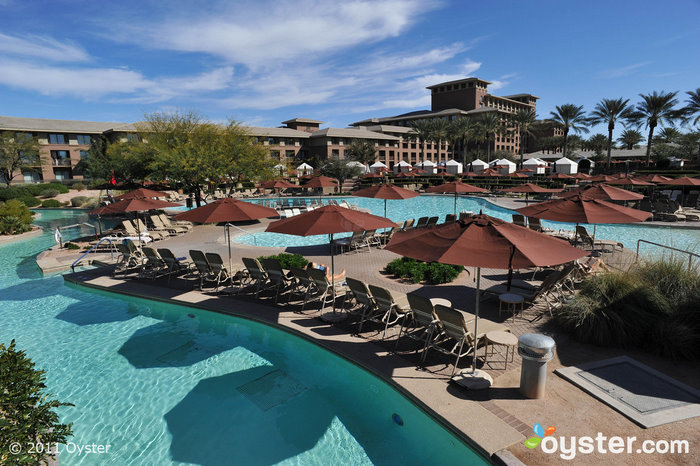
487,446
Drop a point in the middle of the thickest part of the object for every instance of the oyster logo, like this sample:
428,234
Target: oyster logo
540,433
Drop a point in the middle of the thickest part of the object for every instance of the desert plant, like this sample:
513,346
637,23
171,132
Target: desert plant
416,271
49,192
52,203
71,246
15,218
79,186
288,260
78,201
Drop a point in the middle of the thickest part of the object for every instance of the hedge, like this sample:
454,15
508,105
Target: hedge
288,260
433,273
51,203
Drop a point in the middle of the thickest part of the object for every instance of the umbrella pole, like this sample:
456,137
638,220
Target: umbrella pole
227,235
333,272
384,208
510,268
455,208
476,316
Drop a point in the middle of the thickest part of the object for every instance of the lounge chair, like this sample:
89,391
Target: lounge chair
450,218
536,225
256,274
176,265
324,288
143,236
153,233
364,304
587,239
423,221
154,266
423,320
408,224
303,285
172,229
392,309
221,274
519,220
355,241
129,260
432,221
371,238
279,280
386,236
203,268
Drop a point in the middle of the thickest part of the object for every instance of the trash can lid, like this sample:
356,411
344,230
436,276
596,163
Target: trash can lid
535,346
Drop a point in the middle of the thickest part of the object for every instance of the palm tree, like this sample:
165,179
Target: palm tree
523,120
693,107
422,133
630,138
610,111
569,117
490,125
463,130
439,132
667,135
655,109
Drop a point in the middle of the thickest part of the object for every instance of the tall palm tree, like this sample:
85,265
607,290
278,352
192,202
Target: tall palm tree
523,120
422,133
630,138
463,130
610,111
569,117
490,125
655,109
693,108
667,135
439,132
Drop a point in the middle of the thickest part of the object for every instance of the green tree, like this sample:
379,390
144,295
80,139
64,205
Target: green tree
569,117
422,132
338,168
129,162
691,112
598,143
17,151
490,125
688,144
363,151
630,138
655,109
668,135
463,131
439,130
28,413
15,218
611,111
242,157
523,120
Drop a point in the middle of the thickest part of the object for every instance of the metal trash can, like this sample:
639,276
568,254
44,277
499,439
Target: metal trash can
189,201
536,350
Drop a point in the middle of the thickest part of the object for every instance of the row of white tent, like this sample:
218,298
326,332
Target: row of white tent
452,167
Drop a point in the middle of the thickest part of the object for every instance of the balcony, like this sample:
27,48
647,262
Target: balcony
61,162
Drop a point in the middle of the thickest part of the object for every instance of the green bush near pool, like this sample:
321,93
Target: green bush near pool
431,272
51,203
15,218
288,260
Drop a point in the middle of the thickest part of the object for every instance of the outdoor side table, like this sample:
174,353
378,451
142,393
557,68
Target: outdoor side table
441,301
501,338
512,301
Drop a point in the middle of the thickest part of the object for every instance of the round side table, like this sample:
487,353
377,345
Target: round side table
501,338
512,301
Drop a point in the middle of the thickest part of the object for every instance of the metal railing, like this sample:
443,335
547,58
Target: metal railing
227,230
690,254
84,224
61,162
93,249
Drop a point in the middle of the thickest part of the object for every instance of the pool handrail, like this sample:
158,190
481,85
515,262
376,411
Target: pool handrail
690,254
111,252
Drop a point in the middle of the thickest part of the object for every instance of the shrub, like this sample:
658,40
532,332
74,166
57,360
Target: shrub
15,218
71,246
49,192
91,203
289,260
29,201
28,412
78,201
416,271
79,186
51,203
60,187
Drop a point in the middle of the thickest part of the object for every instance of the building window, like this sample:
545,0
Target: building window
84,154
63,174
57,138
61,158
132,137
289,154
335,153
83,139
32,176
275,154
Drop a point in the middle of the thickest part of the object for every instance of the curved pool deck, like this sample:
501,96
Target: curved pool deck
467,419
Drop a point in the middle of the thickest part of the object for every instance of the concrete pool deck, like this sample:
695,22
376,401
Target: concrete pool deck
495,419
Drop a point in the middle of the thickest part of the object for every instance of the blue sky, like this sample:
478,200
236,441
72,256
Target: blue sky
262,62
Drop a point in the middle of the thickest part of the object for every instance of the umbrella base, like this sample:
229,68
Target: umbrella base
477,380
333,316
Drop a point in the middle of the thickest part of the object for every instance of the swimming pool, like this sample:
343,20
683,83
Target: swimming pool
400,210
165,384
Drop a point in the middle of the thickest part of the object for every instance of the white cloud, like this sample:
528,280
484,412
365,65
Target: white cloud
42,47
501,82
622,71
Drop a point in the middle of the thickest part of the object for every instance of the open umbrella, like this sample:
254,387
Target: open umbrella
328,220
654,178
560,176
604,192
455,187
385,191
530,188
683,181
227,210
603,178
630,181
489,172
321,182
278,184
483,241
141,193
138,204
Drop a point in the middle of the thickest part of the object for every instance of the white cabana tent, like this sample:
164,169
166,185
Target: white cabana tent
536,164
427,166
377,167
364,169
504,166
281,169
305,169
565,166
402,166
675,162
453,167
477,166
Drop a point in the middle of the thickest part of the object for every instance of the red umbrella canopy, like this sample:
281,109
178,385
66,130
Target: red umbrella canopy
278,184
603,178
227,210
604,192
406,174
518,175
484,241
385,191
141,193
133,205
654,178
684,181
489,172
530,188
631,181
321,182
582,209
329,219
455,187
560,176
582,176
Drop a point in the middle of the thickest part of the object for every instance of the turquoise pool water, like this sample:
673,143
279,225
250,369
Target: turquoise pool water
163,384
400,210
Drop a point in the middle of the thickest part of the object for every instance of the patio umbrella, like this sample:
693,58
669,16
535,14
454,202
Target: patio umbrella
560,176
278,184
603,178
518,175
141,193
530,188
655,178
320,182
604,192
328,220
630,181
582,176
227,210
138,204
483,241
455,187
489,172
683,181
385,191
